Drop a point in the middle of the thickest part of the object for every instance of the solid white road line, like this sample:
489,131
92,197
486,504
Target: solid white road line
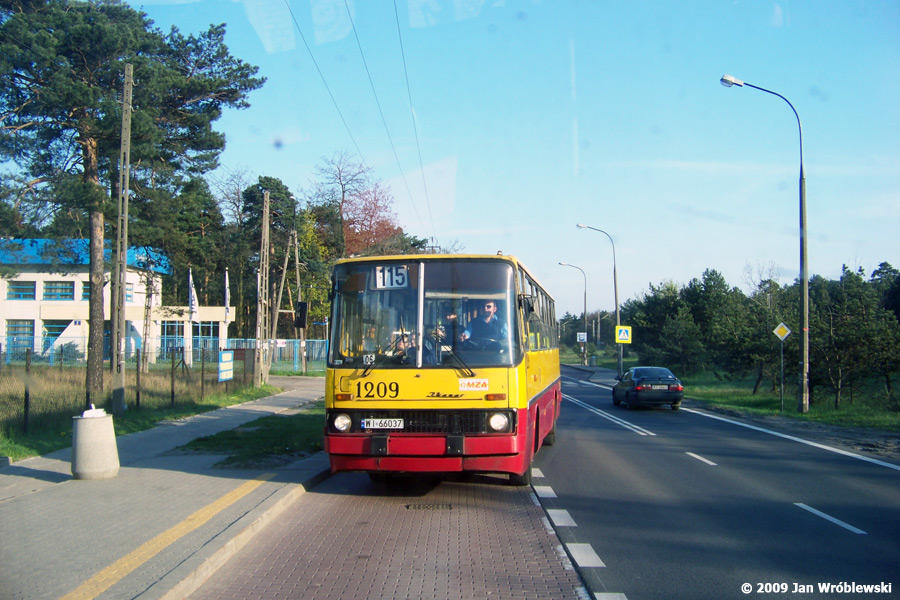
586,382
621,422
819,513
701,459
795,439
584,555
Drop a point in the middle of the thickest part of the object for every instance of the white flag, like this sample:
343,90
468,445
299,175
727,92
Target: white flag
195,315
227,296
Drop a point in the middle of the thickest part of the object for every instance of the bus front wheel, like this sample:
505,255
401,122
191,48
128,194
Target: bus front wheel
521,480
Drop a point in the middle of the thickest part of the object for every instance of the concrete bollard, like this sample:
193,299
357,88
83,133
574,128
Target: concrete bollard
94,451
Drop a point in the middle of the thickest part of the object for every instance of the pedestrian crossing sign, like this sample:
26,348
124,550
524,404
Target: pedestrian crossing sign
623,334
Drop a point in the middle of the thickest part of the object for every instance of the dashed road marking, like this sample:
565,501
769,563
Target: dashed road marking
535,472
561,517
584,555
544,491
701,459
819,513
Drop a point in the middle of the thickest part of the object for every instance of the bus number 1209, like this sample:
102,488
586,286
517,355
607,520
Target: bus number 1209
369,389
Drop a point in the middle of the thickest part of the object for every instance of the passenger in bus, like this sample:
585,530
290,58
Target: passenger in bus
406,348
486,326
447,330
370,342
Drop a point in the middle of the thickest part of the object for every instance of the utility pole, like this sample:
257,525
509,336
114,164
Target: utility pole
287,255
263,352
293,244
118,292
300,299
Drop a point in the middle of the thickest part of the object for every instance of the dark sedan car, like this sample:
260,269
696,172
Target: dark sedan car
648,386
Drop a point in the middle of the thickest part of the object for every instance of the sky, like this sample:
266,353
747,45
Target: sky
501,125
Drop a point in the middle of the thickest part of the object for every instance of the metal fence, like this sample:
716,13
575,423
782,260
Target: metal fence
71,351
43,389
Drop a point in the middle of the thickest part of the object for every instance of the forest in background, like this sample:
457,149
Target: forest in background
707,325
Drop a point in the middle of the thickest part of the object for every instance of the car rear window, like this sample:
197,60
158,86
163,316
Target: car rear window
655,373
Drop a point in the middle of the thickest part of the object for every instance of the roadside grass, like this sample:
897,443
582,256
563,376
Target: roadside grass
55,433
604,358
292,373
868,408
267,440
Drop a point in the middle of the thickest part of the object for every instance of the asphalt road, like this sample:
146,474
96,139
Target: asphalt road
681,505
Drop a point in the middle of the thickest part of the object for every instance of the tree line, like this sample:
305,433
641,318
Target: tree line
708,325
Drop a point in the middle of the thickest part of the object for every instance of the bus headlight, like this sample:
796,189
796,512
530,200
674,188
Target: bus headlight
498,422
342,422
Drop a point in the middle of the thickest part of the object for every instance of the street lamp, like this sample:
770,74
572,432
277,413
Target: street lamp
583,354
803,401
615,291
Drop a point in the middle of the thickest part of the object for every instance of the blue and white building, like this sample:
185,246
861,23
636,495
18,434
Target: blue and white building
44,295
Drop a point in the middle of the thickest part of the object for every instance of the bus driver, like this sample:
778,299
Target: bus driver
487,326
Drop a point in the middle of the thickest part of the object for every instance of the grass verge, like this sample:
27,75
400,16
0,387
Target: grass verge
292,373
56,434
867,410
267,441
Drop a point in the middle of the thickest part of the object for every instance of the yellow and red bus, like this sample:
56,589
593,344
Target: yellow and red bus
440,363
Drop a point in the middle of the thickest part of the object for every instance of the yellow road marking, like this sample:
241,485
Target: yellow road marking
111,575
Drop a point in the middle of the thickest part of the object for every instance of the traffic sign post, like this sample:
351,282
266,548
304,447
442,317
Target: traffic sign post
623,334
582,339
782,331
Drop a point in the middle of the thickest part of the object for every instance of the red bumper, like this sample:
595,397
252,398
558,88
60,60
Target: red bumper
398,452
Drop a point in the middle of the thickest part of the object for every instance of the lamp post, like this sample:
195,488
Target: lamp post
803,400
583,354
615,291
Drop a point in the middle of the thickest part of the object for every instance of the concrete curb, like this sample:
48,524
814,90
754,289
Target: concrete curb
185,579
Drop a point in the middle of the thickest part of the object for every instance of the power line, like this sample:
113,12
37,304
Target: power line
324,82
413,116
383,120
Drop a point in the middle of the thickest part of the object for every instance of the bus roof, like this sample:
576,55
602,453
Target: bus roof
433,257
407,257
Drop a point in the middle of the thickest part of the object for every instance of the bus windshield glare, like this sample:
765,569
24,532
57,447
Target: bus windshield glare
421,313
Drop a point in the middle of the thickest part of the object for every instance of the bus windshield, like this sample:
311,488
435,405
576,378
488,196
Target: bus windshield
451,313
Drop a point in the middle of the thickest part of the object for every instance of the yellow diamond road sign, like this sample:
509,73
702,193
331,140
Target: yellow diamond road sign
782,331
623,334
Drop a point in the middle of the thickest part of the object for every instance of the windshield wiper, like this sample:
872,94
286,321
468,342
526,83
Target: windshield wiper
466,369
381,353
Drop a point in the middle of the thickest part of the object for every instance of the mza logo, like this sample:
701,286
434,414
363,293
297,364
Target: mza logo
473,385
